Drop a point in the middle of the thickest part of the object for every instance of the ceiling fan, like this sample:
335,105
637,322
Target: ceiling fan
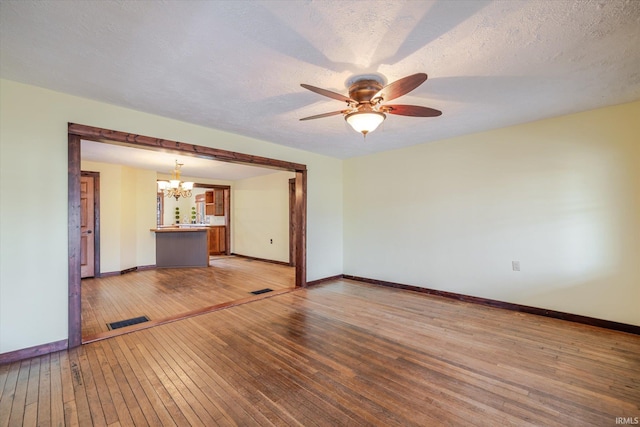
365,103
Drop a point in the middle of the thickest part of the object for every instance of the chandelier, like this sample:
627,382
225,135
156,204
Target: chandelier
174,187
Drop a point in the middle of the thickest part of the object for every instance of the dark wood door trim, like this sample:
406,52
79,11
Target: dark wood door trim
77,132
301,228
292,222
227,220
75,326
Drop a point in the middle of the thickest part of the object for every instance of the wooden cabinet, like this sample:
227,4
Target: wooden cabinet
218,202
209,206
217,239
214,202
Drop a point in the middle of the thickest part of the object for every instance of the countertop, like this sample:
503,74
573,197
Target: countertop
179,229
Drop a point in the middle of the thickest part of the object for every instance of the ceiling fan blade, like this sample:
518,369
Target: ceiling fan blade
400,87
411,110
319,116
328,93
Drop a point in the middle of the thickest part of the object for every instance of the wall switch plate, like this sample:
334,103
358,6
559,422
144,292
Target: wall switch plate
515,265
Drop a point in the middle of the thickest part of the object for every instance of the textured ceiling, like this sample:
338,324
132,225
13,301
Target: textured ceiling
164,162
237,65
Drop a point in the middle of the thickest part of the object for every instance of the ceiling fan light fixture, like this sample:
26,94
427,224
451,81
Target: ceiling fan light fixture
367,98
365,121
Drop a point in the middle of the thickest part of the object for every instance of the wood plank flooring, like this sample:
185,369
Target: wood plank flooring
340,353
169,293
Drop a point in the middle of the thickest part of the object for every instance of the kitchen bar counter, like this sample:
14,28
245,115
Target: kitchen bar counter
182,247
179,229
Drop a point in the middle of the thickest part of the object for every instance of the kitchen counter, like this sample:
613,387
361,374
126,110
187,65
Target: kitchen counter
182,247
179,229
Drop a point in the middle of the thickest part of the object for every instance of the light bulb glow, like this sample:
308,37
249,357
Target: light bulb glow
365,121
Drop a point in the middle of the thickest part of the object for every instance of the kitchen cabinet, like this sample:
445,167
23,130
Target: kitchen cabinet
217,239
214,202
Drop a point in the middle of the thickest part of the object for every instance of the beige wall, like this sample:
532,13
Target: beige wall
260,215
145,203
110,213
33,227
127,212
562,196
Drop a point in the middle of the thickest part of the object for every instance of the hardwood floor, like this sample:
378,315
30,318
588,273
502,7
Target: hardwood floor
340,353
170,293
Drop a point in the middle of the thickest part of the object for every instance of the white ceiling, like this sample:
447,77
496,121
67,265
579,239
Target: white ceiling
237,65
164,163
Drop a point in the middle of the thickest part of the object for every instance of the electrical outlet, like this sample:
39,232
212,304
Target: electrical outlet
515,265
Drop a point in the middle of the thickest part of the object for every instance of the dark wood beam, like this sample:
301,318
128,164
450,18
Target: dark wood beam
159,144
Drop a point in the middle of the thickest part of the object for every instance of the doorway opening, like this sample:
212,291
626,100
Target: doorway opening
215,201
77,132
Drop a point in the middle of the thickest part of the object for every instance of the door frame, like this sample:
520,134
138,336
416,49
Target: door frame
77,132
292,222
96,220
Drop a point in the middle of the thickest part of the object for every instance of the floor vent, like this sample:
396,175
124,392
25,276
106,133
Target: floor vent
262,291
128,322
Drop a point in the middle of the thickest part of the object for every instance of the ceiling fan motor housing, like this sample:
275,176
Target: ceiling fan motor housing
363,90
